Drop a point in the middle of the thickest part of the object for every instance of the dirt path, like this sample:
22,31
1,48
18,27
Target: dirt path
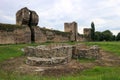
108,59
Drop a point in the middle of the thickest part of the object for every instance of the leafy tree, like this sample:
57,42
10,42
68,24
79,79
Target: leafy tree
113,38
107,35
118,37
98,36
92,31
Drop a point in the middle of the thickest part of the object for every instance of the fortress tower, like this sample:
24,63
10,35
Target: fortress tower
26,17
72,28
29,18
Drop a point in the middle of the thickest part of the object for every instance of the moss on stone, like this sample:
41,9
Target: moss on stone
10,27
44,30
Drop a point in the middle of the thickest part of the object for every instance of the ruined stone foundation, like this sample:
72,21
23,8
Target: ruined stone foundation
48,55
59,54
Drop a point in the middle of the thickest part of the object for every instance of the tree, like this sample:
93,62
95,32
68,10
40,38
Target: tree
98,36
92,31
118,37
107,35
114,38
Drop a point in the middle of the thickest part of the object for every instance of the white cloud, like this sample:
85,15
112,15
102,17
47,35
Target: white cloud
6,18
115,32
99,21
80,29
53,13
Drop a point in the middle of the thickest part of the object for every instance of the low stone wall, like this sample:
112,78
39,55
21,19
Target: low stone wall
48,54
86,52
59,53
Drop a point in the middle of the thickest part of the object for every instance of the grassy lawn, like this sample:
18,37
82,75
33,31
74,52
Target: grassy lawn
113,47
96,73
10,51
14,50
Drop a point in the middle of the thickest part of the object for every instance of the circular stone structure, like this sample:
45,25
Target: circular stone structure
48,55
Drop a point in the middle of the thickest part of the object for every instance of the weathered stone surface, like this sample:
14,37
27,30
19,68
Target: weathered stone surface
59,53
14,35
89,53
27,17
52,54
94,52
46,61
23,16
87,34
34,18
72,28
46,35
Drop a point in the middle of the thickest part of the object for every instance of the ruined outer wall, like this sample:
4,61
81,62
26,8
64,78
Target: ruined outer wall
80,37
45,35
13,34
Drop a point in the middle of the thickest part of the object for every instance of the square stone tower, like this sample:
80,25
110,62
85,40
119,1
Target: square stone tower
72,28
87,34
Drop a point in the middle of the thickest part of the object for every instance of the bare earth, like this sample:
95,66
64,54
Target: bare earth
18,65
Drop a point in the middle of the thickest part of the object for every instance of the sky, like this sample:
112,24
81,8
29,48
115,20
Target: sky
54,13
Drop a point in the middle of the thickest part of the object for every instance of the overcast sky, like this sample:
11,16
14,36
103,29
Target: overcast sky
53,13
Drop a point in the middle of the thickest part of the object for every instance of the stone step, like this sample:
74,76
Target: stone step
46,61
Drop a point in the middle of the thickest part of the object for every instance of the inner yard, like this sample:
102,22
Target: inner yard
13,67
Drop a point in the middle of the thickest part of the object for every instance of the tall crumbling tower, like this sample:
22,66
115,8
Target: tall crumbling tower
29,18
72,28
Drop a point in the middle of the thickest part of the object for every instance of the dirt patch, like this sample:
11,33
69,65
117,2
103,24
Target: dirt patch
108,59
18,65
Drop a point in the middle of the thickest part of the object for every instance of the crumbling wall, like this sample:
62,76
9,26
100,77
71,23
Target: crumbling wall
13,34
45,55
47,35
72,28
59,53
26,17
80,51
80,37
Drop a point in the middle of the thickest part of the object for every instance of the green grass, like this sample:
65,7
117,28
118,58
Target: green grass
113,47
14,50
9,51
96,73
85,60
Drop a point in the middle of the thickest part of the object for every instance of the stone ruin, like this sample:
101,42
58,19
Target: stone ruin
59,53
82,51
27,17
26,30
72,28
46,55
87,34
